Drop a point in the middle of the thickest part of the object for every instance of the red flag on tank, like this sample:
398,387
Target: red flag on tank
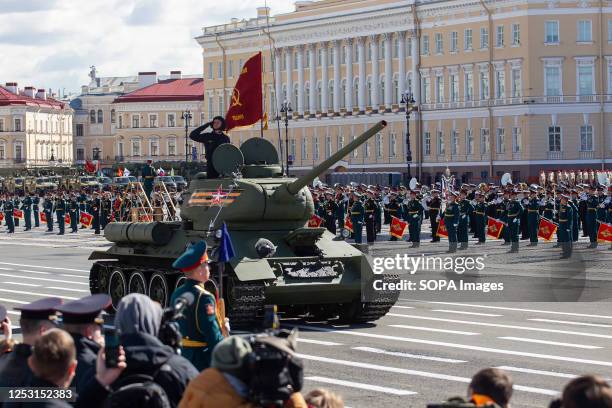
18,214
604,234
246,101
86,219
547,229
494,227
315,221
398,227
348,224
442,231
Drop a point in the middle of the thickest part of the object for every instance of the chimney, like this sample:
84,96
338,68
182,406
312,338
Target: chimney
175,75
12,87
29,91
41,94
263,12
146,79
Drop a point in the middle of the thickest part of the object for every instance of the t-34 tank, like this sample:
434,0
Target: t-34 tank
312,271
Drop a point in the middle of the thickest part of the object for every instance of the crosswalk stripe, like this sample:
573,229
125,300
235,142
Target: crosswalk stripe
406,371
524,310
21,292
20,284
552,343
538,372
466,313
459,346
43,279
570,323
368,387
505,326
431,329
43,267
319,342
408,355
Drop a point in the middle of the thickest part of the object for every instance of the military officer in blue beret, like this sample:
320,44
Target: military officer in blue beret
83,319
201,325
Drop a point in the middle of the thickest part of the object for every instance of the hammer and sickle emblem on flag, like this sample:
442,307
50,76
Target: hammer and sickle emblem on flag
236,98
606,233
545,230
493,228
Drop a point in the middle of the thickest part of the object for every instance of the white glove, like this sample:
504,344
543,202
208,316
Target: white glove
516,220
463,217
415,216
455,225
602,205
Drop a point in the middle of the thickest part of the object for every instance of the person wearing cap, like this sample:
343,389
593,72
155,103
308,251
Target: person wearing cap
201,326
331,209
48,210
60,211
36,318
573,202
591,216
465,213
514,209
451,221
434,204
211,141
26,206
533,216
74,214
564,232
394,210
480,218
96,205
357,217
372,214
415,213
148,176
8,214
83,320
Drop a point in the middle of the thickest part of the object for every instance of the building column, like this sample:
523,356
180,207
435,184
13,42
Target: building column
362,74
312,102
337,86
375,73
348,97
401,55
388,38
324,79
289,69
300,79
277,80
416,74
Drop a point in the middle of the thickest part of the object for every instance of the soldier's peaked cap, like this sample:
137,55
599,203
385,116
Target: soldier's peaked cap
41,309
193,257
85,310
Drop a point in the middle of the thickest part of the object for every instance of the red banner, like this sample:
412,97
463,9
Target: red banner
67,219
604,234
18,214
442,231
315,221
398,227
348,224
246,102
43,217
547,229
1,216
91,166
85,219
494,228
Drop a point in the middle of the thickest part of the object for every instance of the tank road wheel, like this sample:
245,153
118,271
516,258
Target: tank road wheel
158,288
137,283
98,278
179,281
117,286
377,306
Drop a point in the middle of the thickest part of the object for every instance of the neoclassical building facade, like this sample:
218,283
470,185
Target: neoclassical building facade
500,85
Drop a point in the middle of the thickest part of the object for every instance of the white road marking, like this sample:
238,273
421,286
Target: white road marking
407,355
425,374
37,272
571,323
538,372
524,310
458,346
34,244
552,343
43,279
431,329
7,269
466,313
43,267
36,294
21,302
67,289
75,276
368,387
505,326
403,307
20,284
319,342
13,312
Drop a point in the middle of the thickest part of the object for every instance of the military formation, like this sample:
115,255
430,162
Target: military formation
465,211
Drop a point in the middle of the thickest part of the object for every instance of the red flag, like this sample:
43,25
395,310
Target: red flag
245,106
348,224
67,219
1,216
90,166
86,219
18,214
604,234
442,231
315,221
547,229
43,217
120,172
494,227
398,227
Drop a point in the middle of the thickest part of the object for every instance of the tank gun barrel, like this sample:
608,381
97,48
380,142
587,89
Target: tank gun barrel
303,181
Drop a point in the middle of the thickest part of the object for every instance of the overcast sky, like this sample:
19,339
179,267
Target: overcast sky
52,43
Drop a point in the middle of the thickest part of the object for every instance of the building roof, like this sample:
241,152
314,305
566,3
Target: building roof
8,98
186,89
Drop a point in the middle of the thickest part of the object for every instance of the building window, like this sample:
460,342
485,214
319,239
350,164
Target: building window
219,70
439,44
1,125
469,141
484,37
610,79
516,34
230,68
454,41
500,141
92,117
454,142
221,105
172,118
609,30
112,116
328,146
516,83
454,87
292,150
154,147
441,149
211,108
500,84
395,47
211,73
516,139
171,147
80,154
467,40
304,151
499,36
315,149
554,138
426,91
585,31
585,80
484,85
340,141
379,145
427,144
469,86
17,125
120,121
100,116
366,149
392,145
439,89
79,129
551,35
409,47
425,45
586,138
136,147
152,120
484,141
552,80
136,121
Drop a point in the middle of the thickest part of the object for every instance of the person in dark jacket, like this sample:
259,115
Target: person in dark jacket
211,141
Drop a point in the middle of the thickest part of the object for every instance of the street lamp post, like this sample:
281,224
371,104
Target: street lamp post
186,117
409,102
286,110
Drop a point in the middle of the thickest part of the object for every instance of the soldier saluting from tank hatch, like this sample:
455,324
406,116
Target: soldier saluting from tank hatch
211,141
201,326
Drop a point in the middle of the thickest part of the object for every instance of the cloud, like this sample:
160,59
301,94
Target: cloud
61,62
32,37
26,6
146,12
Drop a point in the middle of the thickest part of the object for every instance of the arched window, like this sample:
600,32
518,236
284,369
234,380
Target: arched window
112,116
92,116
100,116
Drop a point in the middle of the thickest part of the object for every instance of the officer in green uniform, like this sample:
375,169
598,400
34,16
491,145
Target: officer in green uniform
372,214
564,231
591,217
415,218
357,217
514,209
48,208
600,214
60,210
27,212
573,202
35,210
451,220
393,210
8,214
148,176
480,218
16,204
201,325
502,215
465,213
533,217
74,214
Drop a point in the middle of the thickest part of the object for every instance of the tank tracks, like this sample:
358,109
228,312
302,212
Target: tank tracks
379,305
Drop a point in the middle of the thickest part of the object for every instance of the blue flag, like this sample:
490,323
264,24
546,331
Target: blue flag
226,248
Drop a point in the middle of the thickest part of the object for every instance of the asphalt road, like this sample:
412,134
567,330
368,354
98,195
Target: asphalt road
423,351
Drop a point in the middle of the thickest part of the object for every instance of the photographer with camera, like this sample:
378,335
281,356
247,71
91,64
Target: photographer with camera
251,371
489,388
588,391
